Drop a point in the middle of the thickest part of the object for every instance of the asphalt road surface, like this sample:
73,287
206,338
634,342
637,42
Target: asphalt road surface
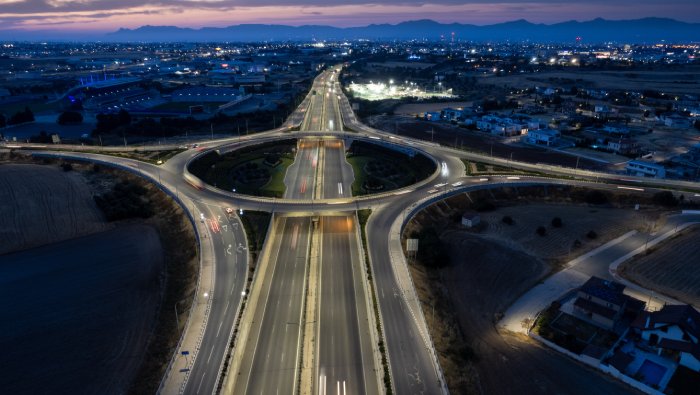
337,172
226,233
345,363
272,350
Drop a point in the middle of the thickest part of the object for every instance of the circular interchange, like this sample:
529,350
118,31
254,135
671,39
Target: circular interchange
247,170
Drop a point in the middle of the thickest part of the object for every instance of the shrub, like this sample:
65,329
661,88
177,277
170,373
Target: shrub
591,234
541,230
70,117
66,166
596,197
556,222
508,220
665,198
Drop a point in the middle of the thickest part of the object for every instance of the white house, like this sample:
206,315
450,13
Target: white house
542,137
645,169
674,331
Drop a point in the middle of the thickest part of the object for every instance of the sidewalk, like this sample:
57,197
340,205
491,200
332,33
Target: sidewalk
611,255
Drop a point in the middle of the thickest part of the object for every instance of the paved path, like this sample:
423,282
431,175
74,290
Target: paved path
601,262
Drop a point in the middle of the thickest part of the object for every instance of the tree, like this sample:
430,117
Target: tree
70,117
591,234
665,198
596,197
697,124
22,117
541,230
3,121
508,220
556,222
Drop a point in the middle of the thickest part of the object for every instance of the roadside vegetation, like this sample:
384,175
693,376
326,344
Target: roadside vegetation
257,170
380,169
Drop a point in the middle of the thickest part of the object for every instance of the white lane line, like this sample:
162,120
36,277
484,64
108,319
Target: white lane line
226,309
219,330
210,353
201,381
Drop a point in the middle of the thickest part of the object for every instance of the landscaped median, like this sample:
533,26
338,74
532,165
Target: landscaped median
256,170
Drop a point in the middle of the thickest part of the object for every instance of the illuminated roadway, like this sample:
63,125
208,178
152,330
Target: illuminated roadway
413,367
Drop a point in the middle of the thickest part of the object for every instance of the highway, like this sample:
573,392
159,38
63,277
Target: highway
345,364
271,358
413,366
228,239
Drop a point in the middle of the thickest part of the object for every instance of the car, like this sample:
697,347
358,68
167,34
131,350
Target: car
229,210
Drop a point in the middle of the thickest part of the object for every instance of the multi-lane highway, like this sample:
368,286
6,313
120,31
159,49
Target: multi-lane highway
318,182
345,363
270,362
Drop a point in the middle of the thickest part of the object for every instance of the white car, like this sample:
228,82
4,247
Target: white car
229,210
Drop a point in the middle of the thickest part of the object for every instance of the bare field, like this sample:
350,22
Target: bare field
78,314
43,204
489,270
673,268
685,81
557,244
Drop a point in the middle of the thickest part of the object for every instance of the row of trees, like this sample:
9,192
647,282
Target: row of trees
19,117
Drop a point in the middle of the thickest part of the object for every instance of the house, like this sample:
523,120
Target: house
470,219
677,121
623,146
452,114
542,137
645,169
604,302
432,116
674,331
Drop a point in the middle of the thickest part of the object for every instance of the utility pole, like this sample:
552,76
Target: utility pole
211,127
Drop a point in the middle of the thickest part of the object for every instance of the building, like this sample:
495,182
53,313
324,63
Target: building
546,137
645,169
470,219
674,331
432,116
604,303
624,146
452,114
4,93
202,94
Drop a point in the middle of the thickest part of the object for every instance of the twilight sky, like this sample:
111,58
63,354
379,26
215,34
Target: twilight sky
108,15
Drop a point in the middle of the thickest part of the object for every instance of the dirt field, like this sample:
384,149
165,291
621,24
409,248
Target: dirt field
78,314
557,245
683,82
672,269
487,272
43,204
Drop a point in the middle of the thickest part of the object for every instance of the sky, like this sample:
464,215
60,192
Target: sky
110,15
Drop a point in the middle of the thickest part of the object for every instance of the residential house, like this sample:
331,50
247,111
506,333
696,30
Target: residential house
604,302
645,169
546,137
674,331
623,146
452,114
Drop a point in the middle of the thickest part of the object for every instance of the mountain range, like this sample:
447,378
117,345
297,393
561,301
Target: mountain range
646,30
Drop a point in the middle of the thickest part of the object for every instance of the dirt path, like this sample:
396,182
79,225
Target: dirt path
42,205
